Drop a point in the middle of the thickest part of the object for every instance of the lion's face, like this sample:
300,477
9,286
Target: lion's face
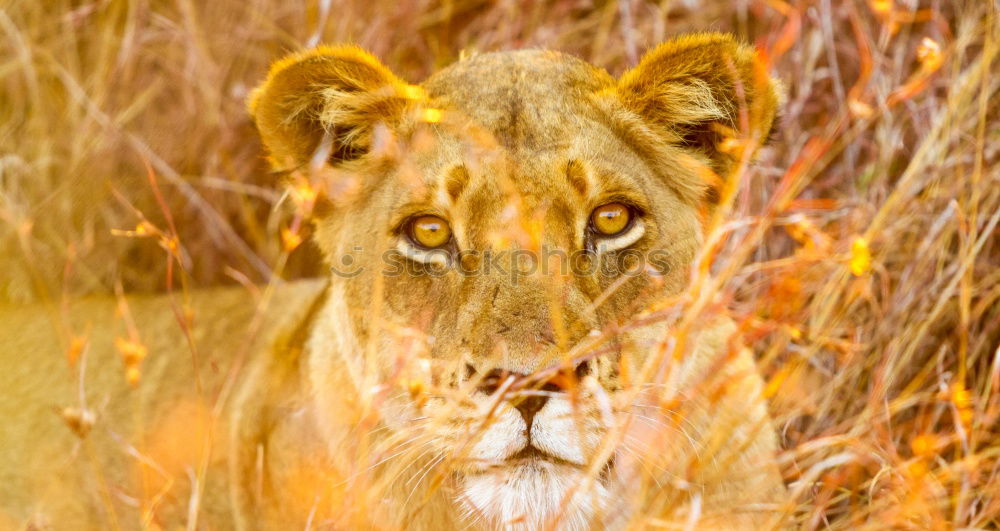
493,233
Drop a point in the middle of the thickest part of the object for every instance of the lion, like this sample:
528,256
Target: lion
493,348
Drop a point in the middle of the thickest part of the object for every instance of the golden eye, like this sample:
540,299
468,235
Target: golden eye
430,232
611,219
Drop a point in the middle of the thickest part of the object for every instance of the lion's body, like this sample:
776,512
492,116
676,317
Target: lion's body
50,475
413,399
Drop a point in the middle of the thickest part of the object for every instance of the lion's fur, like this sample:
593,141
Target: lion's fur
491,142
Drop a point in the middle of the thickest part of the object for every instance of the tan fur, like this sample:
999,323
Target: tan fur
349,398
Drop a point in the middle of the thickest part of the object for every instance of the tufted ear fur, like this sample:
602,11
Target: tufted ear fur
325,101
693,89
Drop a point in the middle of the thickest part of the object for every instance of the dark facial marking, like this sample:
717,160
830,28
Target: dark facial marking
455,181
575,174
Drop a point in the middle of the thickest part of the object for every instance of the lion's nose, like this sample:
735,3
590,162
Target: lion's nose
528,402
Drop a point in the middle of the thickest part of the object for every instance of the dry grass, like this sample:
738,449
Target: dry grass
859,255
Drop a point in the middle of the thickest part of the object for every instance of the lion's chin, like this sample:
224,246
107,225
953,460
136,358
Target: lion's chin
533,494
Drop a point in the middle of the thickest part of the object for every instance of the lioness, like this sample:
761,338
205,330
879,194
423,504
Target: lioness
481,354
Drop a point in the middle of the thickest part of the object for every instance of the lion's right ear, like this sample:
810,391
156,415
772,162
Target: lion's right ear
325,101
695,87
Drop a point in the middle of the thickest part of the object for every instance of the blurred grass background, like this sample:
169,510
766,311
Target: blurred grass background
863,256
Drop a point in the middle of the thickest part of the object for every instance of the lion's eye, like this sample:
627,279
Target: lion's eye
611,219
429,232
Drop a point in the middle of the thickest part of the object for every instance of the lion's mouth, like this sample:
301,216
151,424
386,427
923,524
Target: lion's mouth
531,456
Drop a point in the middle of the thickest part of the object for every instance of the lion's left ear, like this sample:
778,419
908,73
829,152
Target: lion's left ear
694,88
332,93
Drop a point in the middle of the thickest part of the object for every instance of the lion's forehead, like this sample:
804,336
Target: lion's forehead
527,100
522,139
534,76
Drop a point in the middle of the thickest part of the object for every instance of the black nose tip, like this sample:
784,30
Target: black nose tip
531,404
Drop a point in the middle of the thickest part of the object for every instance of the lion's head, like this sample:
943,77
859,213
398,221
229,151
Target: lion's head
493,233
